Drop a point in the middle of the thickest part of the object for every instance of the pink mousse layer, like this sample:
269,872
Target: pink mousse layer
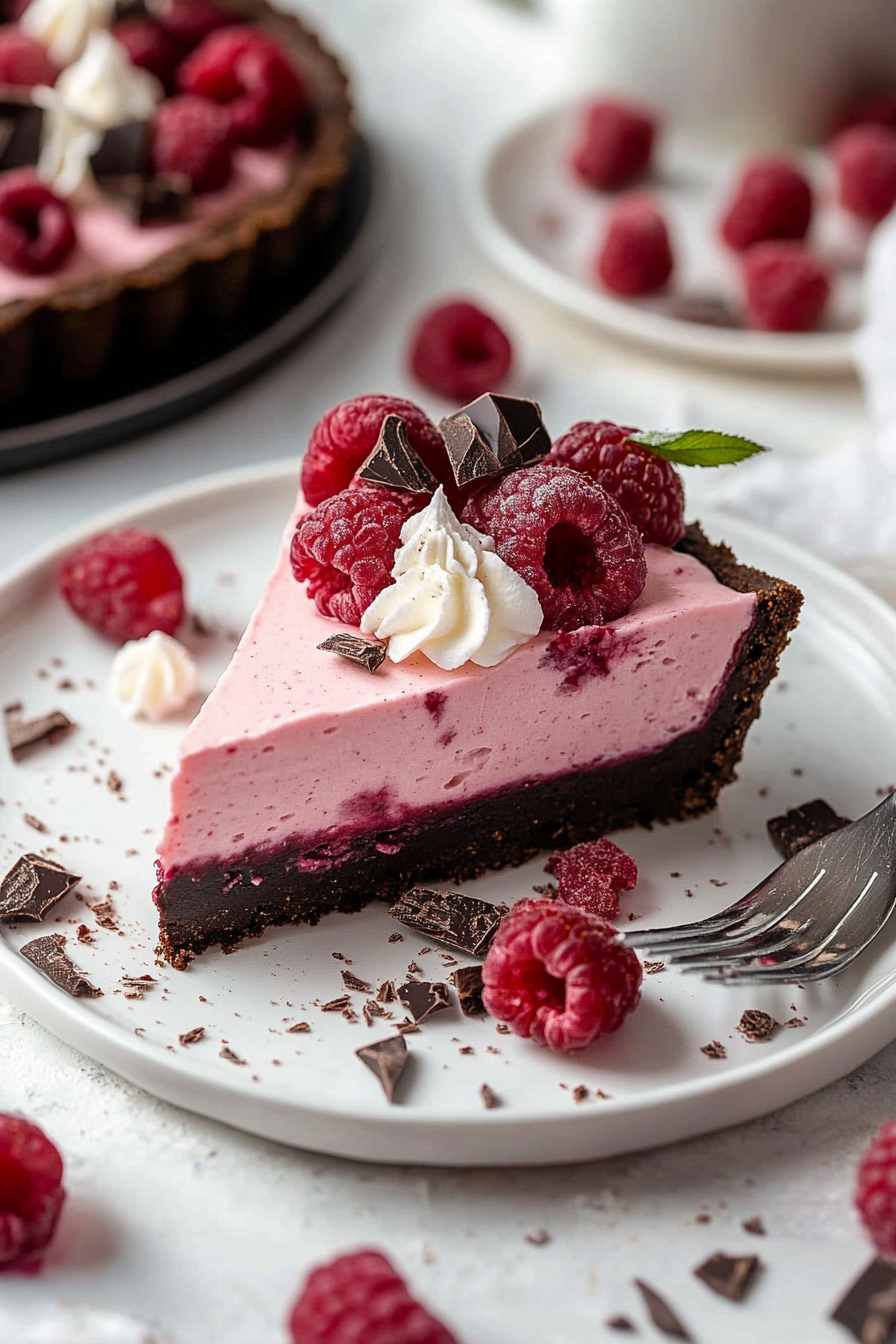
300,746
109,241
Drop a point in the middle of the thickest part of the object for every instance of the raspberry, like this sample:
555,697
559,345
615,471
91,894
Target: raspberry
360,1299
192,136
636,255
559,975
31,1193
36,229
151,48
247,73
772,200
347,434
567,538
786,286
346,548
188,22
125,584
459,351
615,146
591,876
23,61
865,159
875,1196
648,488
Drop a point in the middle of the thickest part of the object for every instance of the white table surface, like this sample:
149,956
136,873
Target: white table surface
205,1231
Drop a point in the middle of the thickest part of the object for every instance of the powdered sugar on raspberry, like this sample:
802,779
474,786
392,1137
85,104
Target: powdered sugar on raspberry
591,876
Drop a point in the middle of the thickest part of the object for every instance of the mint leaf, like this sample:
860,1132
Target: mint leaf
698,447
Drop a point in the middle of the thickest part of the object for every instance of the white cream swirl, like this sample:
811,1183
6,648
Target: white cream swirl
152,677
64,26
453,598
101,90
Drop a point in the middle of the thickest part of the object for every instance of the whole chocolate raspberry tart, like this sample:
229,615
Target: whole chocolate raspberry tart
198,152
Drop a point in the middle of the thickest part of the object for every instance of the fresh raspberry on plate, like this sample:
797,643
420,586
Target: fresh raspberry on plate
773,199
345,549
648,488
188,22
635,256
865,160
31,1193
615,145
875,1195
36,229
347,434
559,975
459,351
360,1298
786,286
151,48
23,61
591,876
192,136
124,584
247,73
567,538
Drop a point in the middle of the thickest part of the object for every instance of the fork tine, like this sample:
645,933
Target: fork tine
748,950
673,933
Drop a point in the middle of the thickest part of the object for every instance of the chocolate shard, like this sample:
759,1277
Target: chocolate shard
23,735
49,956
394,463
192,1036
755,1226
387,1061
756,1025
730,1276
493,434
123,151
489,1097
802,826
470,456
468,983
21,128
460,922
164,199
861,1312
353,982
32,886
365,652
659,1311
422,998
621,1323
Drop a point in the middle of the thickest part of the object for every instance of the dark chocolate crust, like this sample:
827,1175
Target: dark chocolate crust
226,904
69,335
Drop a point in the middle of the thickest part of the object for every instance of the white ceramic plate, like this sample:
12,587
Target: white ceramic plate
540,224
827,729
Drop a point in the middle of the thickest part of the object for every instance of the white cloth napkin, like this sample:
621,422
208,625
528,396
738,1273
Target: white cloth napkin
840,504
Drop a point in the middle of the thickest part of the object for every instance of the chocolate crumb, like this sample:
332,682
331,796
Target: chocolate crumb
659,1311
756,1025
299,1026
547,890
414,969
540,1237
104,914
137,986
396,937
336,1005
386,991
407,1027
794,1022
35,823
192,1036
654,967
603,1096
349,1014
490,1098
755,1226
728,1275
84,934
466,1050
619,1323
703,1218
114,782
715,1050
502,1029
580,1093
232,1058
352,982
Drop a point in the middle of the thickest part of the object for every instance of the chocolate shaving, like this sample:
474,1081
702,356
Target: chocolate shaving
490,1098
35,823
654,967
151,200
730,1276
21,128
32,887
422,998
463,923
715,1050
25,734
394,463
407,1027
299,1026
336,1005
49,956
468,983
756,1025
387,1060
660,1312
802,826
864,1308
352,982
619,1323
364,652
104,914
137,986
386,992
192,1036
230,1055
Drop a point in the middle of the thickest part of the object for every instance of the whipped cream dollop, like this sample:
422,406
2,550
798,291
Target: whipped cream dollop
152,677
453,598
101,90
64,26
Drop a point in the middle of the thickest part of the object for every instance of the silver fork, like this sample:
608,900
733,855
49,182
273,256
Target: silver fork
807,921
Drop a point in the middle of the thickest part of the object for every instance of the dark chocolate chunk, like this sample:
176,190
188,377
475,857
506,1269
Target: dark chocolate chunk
468,983
489,1097
49,956
387,1061
21,128
32,886
24,734
730,1276
756,1025
494,434
151,200
863,1310
192,1036
352,982
394,463
470,456
661,1313
124,151
802,826
422,998
709,310
364,652
461,922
